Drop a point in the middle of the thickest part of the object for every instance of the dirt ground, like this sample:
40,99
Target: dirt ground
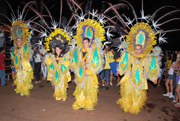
41,106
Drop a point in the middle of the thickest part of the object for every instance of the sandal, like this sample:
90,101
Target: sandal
174,101
177,105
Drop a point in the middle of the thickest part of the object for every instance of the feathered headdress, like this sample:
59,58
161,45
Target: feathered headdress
90,24
58,37
20,26
144,30
19,30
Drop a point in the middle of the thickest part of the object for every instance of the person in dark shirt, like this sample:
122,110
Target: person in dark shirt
163,67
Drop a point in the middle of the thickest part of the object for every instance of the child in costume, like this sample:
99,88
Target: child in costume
58,64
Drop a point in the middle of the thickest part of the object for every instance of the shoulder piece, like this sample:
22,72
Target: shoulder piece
125,62
96,60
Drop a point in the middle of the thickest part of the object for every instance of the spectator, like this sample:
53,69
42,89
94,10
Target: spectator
176,102
163,67
38,60
2,67
43,65
105,74
1,36
169,62
175,67
169,81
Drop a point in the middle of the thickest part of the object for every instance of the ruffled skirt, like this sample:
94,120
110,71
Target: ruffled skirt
86,96
23,83
132,99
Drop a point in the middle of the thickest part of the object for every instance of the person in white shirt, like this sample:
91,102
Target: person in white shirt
37,60
169,81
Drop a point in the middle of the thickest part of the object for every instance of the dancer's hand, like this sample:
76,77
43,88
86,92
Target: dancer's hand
53,59
85,74
117,73
60,60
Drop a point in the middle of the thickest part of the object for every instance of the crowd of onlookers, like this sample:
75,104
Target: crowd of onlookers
170,68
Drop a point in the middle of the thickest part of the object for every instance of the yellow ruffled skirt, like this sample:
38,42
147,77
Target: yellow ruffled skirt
86,97
22,80
60,91
132,99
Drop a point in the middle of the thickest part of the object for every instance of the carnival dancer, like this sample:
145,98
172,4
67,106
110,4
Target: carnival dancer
58,64
87,60
20,55
137,64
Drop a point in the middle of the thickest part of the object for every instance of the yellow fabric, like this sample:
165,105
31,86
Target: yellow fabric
106,66
49,76
86,97
48,61
124,63
61,86
60,91
74,64
152,69
132,99
132,95
169,62
24,74
110,57
23,78
95,61
86,91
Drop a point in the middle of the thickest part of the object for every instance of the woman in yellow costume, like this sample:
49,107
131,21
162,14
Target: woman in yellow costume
20,55
58,64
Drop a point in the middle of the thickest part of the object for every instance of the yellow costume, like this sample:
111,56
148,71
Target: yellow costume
58,72
89,61
60,75
20,56
136,70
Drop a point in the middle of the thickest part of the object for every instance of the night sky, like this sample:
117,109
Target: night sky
150,6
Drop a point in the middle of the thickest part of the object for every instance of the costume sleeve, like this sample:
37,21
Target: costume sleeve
124,63
50,64
13,54
65,64
96,61
74,60
17,61
152,67
26,51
